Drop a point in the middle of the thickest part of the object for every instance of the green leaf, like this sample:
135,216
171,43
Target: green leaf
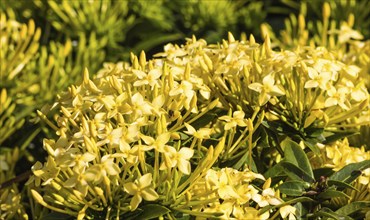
293,188
341,184
350,172
328,194
296,173
275,170
244,159
353,207
152,211
294,154
330,137
326,212
310,143
301,210
322,172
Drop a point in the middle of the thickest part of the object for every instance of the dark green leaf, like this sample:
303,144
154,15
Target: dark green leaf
326,212
207,118
296,173
277,169
244,159
313,146
292,201
334,136
353,207
293,188
152,211
301,210
350,172
294,154
322,172
340,184
328,194
279,127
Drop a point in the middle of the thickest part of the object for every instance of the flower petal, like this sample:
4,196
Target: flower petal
149,194
145,181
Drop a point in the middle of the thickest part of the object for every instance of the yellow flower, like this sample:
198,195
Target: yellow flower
236,120
186,92
288,210
179,159
249,213
97,172
48,172
159,143
317,80
266,89
267,198
140,106
337,97
202,133
141,189
147,79
225,188
346,33
78,181
226,207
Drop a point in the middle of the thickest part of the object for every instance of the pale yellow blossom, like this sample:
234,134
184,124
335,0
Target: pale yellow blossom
179,159
288,211
267,89
141,189
236,120
202,133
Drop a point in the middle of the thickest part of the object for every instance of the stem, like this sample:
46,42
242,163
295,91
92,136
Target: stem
20,178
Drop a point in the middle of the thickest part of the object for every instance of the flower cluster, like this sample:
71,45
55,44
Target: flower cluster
230,192
150,132
120,134
299,87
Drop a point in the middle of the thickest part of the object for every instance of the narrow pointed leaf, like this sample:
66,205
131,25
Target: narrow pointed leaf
296,173
350,172
332,194
353,207
341,184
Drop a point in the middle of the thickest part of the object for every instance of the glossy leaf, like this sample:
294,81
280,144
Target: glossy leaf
353,207
350,172
330,137
326,212
312,145
341,184
296,173
293,188
328,194
151,211
295,155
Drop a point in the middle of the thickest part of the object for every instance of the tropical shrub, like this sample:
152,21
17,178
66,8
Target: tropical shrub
233,130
